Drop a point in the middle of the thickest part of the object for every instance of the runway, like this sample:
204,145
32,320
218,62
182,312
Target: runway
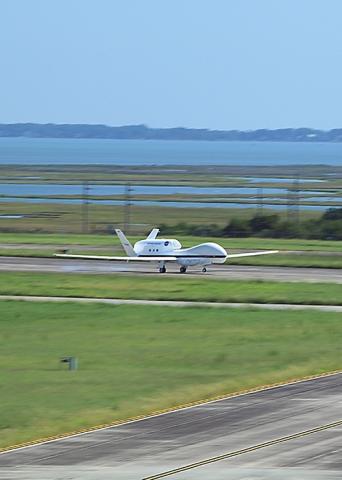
227,272
153,447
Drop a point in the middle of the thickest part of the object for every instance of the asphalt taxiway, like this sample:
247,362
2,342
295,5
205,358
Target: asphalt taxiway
233,272
307,414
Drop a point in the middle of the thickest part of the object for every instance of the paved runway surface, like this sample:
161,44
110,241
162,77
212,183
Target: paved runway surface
148,447
285,274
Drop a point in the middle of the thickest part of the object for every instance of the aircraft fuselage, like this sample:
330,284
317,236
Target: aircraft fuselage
202,254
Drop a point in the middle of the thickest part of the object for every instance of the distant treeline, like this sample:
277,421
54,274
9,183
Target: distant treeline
327,227
51,130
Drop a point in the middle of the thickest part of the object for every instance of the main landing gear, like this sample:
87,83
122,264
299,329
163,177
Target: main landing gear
182,269
204,269
162,267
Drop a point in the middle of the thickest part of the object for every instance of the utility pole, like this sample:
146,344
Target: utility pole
288,205
127,207
293,199
260,206
85,207
296,189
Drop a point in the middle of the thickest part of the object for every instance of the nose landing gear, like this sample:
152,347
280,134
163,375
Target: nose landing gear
182,269
204,269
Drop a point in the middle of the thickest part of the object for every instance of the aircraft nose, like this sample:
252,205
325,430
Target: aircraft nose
223,251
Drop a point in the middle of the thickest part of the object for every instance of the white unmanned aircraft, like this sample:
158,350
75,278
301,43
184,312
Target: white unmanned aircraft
164,250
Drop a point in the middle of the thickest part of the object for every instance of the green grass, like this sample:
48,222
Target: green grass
292,260
293,253
133,360
168,288
57,239
163,175
108,240
67,218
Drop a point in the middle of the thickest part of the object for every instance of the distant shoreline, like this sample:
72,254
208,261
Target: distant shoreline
142,132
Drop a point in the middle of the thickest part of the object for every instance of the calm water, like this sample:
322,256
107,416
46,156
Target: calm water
157,152
65,189
141,152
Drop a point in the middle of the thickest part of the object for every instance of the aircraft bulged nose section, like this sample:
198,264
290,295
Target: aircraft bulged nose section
211,248
208,250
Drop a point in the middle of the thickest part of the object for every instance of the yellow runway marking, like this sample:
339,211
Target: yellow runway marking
244,450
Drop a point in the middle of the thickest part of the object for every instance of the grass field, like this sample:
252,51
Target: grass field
168,288
296,253
134,360
164,175
67,218
292,260
109,240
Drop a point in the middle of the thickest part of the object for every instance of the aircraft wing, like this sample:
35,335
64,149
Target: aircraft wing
236,255
122,259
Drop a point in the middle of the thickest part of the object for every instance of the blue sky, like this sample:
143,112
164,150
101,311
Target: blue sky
225,64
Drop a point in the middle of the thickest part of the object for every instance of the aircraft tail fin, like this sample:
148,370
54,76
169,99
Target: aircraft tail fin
125,243
153,234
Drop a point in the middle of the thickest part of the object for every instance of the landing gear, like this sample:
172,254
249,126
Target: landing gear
182,269
204,269
162,268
